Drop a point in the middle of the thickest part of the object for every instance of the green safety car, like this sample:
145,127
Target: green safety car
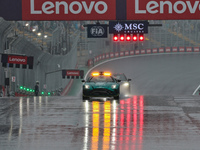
101,84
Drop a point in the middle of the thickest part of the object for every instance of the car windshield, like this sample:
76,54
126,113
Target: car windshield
121,77
101,78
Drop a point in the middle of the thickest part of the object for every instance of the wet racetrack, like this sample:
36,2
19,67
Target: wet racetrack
139,122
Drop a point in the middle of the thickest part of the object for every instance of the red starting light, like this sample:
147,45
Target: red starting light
122,38
115,37
128,37
135,37
141,37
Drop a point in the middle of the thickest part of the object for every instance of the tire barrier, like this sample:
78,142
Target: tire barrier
96,59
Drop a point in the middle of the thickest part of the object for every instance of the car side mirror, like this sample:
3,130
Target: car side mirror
83,80
129,79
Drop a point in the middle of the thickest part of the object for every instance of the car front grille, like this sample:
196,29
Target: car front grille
102,92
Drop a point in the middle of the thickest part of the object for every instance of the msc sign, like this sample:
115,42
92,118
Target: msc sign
97,31
128,27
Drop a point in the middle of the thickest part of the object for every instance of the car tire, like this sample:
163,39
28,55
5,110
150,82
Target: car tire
116,97
85,98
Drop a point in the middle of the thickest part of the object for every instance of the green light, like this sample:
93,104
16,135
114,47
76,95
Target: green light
24,88
31,90
42,93
28,89
21,87
49,93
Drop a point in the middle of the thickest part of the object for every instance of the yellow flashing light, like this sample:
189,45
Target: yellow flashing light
107,74
95,74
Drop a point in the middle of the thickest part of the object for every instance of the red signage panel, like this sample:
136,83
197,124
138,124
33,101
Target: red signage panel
103,56
196,49
181,49
132,52
137,52
121,53
174,49
148,51
126,53
143,51
111,55
155,50
107,55
161,50
189,49
68,10
167,49
162,9
117,54
17,59
73,73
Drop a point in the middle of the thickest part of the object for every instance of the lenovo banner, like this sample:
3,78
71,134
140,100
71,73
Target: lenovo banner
163,9
73,72
68,10
99,9
17,59
8,60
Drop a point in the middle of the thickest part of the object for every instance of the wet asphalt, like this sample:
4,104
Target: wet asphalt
67,123
161,113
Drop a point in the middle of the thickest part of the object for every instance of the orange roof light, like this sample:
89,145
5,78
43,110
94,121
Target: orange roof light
107,74
95,74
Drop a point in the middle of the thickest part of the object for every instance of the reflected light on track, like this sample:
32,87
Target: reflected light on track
109,125
28,106
107,119
141,121
114,124
95,129
86,137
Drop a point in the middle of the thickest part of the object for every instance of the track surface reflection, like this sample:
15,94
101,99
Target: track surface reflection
114,124
134,123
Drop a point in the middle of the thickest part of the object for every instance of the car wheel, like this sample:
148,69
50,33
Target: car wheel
116,97
85,98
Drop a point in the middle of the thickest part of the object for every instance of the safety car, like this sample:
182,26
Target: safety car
101,84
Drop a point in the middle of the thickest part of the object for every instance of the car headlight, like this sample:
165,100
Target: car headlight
126,84
114,86
87,86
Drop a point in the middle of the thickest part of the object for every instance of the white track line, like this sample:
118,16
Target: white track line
196,90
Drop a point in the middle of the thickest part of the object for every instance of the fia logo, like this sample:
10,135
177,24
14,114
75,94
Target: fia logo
97,31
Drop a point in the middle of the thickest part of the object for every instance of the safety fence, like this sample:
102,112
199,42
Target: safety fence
111,55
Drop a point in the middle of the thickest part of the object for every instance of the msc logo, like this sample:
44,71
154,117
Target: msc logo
97,31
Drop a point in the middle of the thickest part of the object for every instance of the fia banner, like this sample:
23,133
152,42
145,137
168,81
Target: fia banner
97,31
